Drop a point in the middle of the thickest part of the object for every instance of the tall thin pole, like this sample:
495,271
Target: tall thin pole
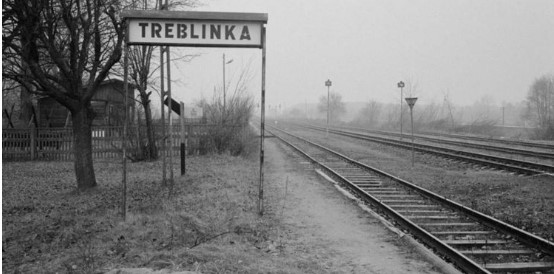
224,95
327,129
169,111
162,94
401,95
412,118
183,139
328,85
124,137
262,129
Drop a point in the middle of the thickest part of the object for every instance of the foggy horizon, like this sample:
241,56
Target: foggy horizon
468,50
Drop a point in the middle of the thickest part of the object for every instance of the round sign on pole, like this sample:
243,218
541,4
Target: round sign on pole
328,83
400,84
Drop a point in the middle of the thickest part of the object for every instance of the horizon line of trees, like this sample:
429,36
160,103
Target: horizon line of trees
536,112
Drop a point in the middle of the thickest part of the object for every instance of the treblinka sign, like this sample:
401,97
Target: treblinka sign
194,29
200,29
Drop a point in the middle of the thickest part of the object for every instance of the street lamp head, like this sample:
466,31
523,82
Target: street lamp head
229,62
328,83
400,84
411,101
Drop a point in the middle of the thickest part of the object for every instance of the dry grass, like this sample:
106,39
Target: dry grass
211,225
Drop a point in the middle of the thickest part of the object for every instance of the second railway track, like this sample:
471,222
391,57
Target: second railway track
474,242
502,163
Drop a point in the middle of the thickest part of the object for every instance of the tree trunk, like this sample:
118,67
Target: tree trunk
151,147
82,140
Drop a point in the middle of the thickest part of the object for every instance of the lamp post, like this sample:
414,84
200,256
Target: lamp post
328,85
401,86
411,102
224,95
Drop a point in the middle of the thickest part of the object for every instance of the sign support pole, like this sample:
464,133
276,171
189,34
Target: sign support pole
124,137
183,140
262,128
162,94
169,110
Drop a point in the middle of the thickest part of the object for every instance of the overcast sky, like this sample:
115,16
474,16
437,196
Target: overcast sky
468,49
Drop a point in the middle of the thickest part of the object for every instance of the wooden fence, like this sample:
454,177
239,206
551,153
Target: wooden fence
57,143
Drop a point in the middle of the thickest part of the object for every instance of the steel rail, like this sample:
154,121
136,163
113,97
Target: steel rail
463,262
484,139
523,167
474,138
465,143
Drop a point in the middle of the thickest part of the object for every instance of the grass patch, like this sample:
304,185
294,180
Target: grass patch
210,225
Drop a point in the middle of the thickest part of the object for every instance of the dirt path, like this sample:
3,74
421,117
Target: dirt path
323,225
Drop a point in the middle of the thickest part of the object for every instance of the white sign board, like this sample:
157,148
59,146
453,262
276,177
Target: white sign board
169,32
193,112
195,29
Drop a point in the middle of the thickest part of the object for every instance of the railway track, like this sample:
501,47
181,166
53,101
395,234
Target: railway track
536,150
494,140
474,242
497,162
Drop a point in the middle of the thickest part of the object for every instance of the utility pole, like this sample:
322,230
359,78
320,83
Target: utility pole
411,102
328,85
401,86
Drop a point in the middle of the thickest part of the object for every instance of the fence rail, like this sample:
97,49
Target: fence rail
56,144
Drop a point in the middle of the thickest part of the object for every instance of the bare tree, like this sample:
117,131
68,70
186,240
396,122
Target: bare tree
64,50
336,106
540,105
234,111
426,114
447,103
369,115
142,67
234,117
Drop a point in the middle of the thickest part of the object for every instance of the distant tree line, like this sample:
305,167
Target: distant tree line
540,106
535,115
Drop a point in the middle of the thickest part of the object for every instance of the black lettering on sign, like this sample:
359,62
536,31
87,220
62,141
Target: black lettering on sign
169,30
156,28
229,32
215,31
181,31
203,31
143,26
192,35
245,34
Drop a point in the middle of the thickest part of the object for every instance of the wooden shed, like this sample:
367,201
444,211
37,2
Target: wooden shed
107,102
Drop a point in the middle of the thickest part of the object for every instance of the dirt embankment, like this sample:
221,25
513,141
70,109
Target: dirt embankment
321,224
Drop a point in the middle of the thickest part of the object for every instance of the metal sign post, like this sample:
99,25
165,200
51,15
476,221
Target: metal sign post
124,137
401,86
411,102
183,139
162,95
262,132
170,134
328,85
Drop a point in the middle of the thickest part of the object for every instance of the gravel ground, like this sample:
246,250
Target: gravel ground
523,201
